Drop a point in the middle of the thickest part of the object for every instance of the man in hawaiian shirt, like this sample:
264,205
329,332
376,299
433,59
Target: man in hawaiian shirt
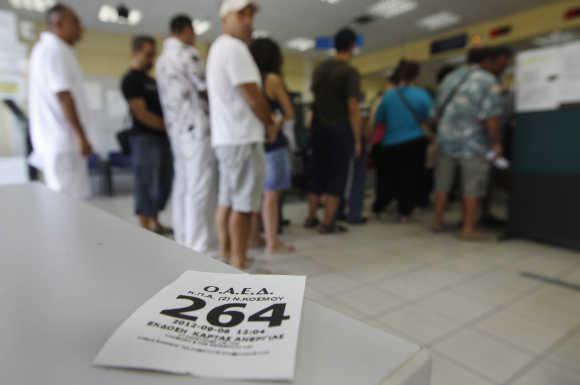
469,133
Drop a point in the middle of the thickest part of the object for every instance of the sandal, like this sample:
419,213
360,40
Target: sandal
311,223
332,229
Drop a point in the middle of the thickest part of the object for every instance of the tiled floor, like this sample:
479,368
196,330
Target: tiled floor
484,323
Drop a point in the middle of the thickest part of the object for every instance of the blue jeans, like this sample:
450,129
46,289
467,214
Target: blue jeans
153,169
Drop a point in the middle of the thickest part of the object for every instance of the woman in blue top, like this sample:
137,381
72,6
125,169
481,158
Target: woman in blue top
402,112
268,57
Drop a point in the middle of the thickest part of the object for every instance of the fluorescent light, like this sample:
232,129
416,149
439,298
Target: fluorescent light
330,1
392,8
110,14
32,5
201,26
135,17
260,33
438,20
301,44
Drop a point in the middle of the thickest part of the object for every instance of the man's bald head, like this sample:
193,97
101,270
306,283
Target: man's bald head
64,22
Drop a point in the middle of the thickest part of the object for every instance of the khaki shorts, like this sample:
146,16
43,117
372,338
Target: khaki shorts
474,175
242,174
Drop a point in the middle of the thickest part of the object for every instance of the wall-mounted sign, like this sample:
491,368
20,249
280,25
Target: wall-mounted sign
572,13
324,43
502,30
449,44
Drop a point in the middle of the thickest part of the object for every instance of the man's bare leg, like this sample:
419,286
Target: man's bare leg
313,203
239,231
440,207
270,216
330,206
471,207
222,219
144,222
256,240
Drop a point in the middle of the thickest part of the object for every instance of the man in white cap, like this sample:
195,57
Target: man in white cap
240,118
183,92
58,108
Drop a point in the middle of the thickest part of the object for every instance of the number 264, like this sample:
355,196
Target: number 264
234,318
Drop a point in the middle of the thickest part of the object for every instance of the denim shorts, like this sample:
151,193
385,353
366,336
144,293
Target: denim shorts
278,174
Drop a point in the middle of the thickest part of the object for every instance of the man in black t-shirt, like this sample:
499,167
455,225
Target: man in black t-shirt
151,153
336,131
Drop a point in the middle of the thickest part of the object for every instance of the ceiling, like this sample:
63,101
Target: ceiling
285,19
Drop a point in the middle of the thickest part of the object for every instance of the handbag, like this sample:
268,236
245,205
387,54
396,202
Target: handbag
420,122
378,134
432,150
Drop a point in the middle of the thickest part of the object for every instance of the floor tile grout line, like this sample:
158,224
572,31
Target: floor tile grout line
415,301
419,299
543,357
467,368
470,325
493,311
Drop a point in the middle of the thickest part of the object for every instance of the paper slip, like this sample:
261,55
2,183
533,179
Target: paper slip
230,326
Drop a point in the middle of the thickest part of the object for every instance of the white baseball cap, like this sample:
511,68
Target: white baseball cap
229,6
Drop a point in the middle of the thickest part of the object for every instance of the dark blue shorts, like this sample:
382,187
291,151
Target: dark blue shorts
332,151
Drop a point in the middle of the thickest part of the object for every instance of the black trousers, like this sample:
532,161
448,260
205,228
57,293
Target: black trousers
401,168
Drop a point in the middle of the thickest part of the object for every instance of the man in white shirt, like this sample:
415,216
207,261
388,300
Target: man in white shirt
239,116
58,109
183,92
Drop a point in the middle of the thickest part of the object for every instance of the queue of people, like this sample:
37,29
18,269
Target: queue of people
220,145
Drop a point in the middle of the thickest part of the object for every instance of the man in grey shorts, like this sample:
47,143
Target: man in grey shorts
469,130
239,116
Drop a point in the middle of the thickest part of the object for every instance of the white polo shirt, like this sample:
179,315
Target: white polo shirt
229,65
53,69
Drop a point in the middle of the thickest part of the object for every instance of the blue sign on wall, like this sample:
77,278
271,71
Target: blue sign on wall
324,43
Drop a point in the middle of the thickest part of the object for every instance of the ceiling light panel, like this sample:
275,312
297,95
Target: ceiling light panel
32,5
330,1
201,26
439,20
110,14
301,44
260,33
391,8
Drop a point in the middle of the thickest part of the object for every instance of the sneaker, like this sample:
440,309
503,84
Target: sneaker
311,223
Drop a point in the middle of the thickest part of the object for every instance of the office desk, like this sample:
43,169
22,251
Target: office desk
71,274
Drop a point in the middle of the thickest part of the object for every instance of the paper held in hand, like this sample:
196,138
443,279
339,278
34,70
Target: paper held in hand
231,326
